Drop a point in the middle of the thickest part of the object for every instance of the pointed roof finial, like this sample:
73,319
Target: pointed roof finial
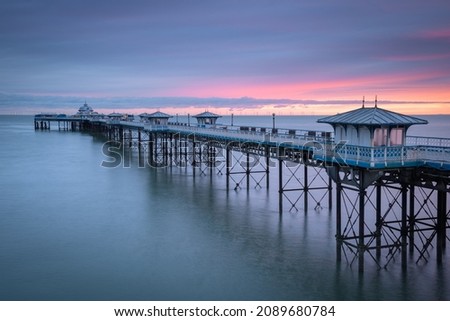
376,101
363,101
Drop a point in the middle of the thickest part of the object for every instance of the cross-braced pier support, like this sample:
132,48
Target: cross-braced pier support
303,181
160,152
42,124
247,162
386,215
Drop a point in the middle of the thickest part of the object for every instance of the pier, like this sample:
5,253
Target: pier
387,191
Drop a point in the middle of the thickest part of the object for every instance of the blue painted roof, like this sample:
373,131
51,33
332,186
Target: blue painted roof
156,114
372,116
207,114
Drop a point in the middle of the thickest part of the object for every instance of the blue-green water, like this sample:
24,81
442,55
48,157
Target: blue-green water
73,230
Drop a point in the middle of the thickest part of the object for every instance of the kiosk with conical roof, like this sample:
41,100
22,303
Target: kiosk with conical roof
155,119
114,118
371,126
371,137
207,119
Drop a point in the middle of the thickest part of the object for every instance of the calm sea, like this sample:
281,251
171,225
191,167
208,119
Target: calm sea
73,230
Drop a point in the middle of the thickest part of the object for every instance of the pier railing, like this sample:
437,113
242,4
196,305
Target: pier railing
417,151
385,156
427,141
427,150
256,135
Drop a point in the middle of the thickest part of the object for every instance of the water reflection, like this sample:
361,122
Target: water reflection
73,230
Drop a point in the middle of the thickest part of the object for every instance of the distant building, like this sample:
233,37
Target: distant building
115,117
206,119
128,117
143,116
155,119
85,111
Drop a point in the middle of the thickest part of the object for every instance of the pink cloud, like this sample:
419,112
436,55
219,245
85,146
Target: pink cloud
436,33
417,57
413,85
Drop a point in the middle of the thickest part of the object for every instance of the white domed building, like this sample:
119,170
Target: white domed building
85,111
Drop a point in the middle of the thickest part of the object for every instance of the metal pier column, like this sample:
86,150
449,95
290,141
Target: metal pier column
330,193
141,159
378,220
441,224
404,225
361,228
247,171
267,151
305,187
338,221
412,218
280,181
150,149
228,164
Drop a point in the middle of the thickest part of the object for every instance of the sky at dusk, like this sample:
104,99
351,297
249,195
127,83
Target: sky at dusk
242,56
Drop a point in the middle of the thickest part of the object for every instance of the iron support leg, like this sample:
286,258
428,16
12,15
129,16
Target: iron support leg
267,151
305,184
330,193
412,218
150,151
441,224
247,172
361,245
404,228
280,184
186,151
378,222
194,163
338,222
228,165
